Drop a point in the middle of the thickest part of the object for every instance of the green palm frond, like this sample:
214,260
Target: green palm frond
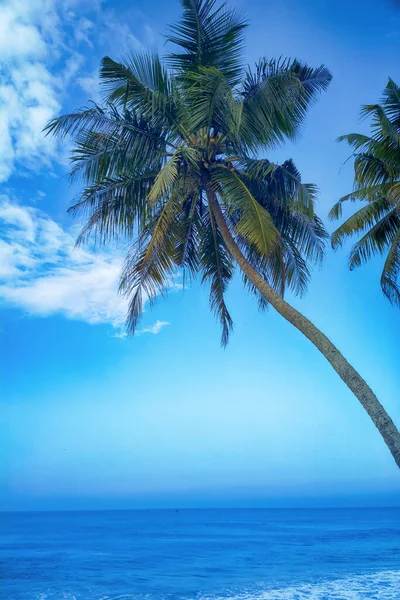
84,118
211,102
283,182
290,202
361,220
356,140
114,207
307,234
145,280
297,270
208,36
391,271
377,182
166,177
217,268
376,240
255,223
371,193
182,162
150,265
140,83
189,228
276,99
393,195
106,141
381,124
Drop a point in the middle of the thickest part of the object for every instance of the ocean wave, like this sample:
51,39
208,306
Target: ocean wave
382,585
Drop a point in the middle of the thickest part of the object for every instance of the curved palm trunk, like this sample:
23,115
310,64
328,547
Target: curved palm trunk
344,369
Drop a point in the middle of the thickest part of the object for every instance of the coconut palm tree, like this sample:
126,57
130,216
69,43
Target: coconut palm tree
169,163
376,183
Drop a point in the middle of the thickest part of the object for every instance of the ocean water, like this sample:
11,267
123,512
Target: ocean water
233,554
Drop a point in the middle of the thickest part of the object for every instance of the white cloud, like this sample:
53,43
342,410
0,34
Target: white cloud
43,48
31,39
122,36
82,30
90,84
154,329
42,273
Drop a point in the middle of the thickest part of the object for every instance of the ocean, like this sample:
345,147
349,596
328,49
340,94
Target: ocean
233,554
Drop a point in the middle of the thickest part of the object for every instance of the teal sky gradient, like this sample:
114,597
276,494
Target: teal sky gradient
90,420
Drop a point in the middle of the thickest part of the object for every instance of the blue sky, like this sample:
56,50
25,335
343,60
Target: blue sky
92,419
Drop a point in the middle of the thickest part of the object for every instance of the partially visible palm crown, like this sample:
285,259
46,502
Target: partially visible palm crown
376,182
170,130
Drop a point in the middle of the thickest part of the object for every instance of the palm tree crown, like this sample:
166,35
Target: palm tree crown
376,182
170,130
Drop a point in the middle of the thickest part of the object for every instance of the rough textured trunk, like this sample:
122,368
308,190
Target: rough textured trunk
344,369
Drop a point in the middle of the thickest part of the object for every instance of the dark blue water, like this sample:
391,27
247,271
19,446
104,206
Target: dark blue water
202,554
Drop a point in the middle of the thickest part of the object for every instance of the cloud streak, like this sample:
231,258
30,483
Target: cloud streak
43,51
156,328
43,274
31,39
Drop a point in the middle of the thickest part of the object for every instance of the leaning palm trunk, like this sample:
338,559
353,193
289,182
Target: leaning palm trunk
352,379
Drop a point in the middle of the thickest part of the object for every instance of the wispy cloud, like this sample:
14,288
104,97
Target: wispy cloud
154,329
44,46
90,84
43,273
33,37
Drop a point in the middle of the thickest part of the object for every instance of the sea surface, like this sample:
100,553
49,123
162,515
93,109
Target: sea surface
258,554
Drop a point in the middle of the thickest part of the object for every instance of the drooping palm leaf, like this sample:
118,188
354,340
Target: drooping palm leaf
377,182
217,268
255,223
391,271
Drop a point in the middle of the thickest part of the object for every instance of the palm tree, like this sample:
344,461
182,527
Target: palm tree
169,163
376,182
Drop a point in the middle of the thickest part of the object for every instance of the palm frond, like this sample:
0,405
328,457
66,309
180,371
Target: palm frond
297,271
289,201
106,142
276,99
393,195
166,177
114,207
140,83
391,101
376,240
217,268
211,102
189,230
362,220
150,265
283,182
377,182
391,269
254,223
371,193
208,36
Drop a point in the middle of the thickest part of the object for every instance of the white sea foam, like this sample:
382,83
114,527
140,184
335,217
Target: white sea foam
383,585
